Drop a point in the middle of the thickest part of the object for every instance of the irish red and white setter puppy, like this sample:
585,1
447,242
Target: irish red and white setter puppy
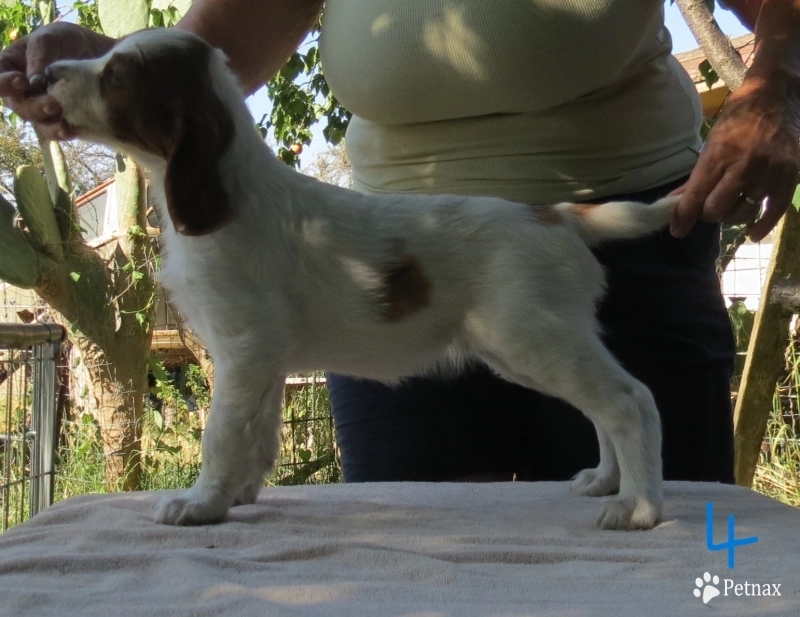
280,273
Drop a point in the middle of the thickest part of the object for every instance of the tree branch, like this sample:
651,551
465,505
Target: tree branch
725,60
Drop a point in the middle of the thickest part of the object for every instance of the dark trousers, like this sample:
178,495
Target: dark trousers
664,319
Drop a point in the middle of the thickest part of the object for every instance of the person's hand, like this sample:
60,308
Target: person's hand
751,154
22,64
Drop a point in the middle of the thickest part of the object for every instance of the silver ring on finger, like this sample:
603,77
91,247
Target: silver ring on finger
749,200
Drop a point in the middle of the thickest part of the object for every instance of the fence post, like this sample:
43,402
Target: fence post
43,416
29,440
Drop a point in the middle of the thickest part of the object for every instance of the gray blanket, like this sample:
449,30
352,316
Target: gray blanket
403,550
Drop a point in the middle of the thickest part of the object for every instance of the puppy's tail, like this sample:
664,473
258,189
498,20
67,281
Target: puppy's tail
618,220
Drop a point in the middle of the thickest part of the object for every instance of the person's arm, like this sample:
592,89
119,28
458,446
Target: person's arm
257,35
753,151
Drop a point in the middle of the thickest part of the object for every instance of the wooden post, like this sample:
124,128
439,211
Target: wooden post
765,354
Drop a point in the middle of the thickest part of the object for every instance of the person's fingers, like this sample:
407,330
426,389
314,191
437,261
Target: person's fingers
778,201
702,181
41,108
13,83
45,116
60,41
54,131
28,57
13,80
44,107
729,193
772,214
12,58
42,51
686,214
743,212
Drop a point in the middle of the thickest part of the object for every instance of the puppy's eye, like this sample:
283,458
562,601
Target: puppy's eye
113,74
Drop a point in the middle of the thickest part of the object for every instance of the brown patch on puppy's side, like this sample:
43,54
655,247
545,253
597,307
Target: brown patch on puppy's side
405,288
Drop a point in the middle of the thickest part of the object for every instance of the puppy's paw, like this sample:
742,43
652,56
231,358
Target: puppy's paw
186,509
627,513
248,494
595,483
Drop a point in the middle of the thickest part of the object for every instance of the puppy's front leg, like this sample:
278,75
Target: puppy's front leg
240,445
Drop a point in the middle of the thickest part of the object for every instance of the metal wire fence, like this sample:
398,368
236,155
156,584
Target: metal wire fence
172,428
28,357
745,274
308,441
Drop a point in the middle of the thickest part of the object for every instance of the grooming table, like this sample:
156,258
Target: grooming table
399,550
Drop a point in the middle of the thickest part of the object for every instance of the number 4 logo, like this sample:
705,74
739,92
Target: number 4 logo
732,541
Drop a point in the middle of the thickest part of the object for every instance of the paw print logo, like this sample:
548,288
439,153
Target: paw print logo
706,587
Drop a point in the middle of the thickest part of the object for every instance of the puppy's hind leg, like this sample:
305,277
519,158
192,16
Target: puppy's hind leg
240,445
586,375
604,479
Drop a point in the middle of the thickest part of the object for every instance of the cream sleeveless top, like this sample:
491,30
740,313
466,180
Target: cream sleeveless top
530,100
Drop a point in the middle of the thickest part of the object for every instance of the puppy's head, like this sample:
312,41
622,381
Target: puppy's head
153,96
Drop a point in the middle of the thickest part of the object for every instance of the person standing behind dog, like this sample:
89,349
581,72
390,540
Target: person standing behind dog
538,102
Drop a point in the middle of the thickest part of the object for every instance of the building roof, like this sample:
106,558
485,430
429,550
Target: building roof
92,194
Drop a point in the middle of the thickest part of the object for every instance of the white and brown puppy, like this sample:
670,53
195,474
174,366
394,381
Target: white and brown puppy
279,273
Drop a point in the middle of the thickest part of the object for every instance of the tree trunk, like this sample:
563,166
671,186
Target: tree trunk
114,383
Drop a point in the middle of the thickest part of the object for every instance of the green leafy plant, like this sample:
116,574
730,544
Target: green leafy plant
301,98
87,15
164,18
708,74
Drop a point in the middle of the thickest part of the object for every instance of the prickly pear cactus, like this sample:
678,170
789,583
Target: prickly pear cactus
18,263
121,17
36,207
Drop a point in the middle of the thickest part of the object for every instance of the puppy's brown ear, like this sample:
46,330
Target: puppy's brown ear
196,198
